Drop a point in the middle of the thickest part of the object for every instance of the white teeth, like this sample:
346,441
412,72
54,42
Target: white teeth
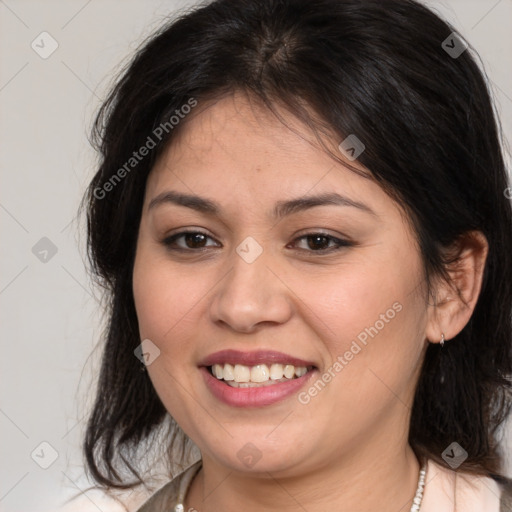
300,371
243,376
217,370
228,372
260,373
234,384
241,373
289,371
276,371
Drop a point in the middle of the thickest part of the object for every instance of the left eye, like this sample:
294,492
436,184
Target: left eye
318,242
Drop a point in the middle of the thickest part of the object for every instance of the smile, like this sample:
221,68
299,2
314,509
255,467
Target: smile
243,376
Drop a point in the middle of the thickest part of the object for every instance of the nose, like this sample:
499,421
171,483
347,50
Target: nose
251,295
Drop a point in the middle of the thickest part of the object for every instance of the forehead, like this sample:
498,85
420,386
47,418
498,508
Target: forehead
240,128
238,151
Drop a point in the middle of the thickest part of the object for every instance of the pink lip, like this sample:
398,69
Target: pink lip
257,396
253,358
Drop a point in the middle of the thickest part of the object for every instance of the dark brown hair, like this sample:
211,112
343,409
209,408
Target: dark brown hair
374,68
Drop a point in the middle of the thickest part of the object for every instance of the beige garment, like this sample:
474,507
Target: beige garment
450,491
445,491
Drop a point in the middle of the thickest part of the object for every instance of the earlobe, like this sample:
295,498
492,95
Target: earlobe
454,302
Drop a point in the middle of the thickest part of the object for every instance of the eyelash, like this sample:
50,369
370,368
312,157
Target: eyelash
340,243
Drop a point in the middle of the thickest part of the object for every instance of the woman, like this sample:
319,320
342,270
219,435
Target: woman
301,220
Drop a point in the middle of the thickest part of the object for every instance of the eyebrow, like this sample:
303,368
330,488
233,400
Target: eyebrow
284,208
280,210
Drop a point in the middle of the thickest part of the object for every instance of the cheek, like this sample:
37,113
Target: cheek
375,352
373,315
168,300
361,294
164,303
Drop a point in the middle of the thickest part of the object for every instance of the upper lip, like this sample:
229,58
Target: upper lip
253,358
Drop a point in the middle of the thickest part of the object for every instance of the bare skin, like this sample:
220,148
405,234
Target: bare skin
346,448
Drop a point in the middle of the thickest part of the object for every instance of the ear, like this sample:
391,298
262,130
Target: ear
455,302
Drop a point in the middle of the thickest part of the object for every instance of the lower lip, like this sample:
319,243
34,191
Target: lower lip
255,396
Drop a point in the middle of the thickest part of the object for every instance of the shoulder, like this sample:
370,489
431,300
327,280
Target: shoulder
471,493
163,499
167,496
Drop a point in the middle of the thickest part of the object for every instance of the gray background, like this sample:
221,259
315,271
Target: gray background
49,313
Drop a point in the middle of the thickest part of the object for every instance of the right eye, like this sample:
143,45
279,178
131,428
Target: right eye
193,241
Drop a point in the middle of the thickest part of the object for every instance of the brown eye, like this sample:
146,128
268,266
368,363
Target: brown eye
319,242
192,240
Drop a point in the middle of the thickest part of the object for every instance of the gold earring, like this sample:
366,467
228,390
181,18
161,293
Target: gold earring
442,340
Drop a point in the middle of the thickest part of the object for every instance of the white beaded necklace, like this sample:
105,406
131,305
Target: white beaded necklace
416,502
418,497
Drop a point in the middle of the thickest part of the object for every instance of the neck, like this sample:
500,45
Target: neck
362,483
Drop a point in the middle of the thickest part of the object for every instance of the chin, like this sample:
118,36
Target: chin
261,455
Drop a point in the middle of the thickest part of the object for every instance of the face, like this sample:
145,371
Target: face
334,290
